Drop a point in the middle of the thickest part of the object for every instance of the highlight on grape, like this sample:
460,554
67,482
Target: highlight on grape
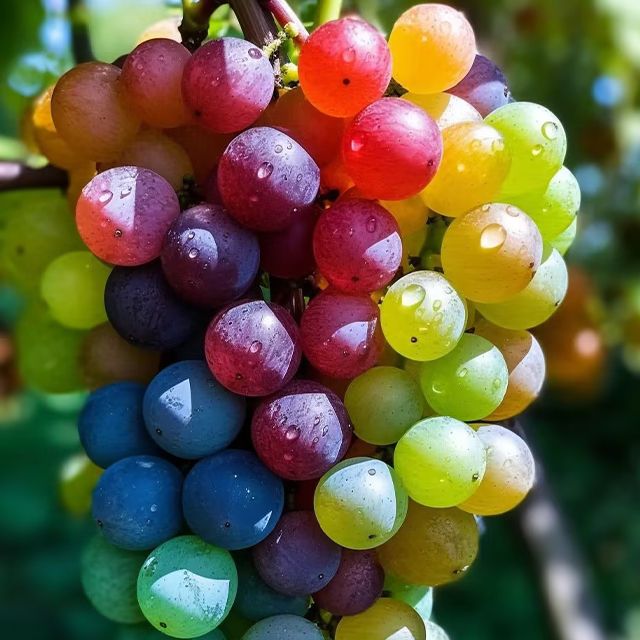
299,288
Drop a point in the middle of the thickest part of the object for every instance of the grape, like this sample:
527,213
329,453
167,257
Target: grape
563,241
419,598
433,546
232,500
334,177
440,461
360,503
319,134
151,83
188,413
355,587
536,141
111,425
357,245
509,476
422,316
410,214
525,363
284,626
391,149
208,258
124,213
109,579
537,301
157,152
341,334
253,348
444,108
344,66
136,502
474,165
554,207
383,403
387,619
491,253
234,625
105,358
484,86
165,28
186,587
210,189
147,632
434,631
79,177
73,288
468,383
266,178
256,600
227,84
89,113
301,431
297,558
288,253
144,310
438,36
78,477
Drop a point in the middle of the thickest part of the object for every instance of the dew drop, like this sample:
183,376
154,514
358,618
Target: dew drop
414,339
437,304
316,421
497,145
372,472
436,388
153,508
550,130
536,151
126,191
514,212
159,432
238,376
493,237
255,347
486,207
496,383
475,477
462,372
256,54
413,295
357,143
292,433
287,457
191,236
117,233
105,197
278,148
349,55
265,170
193,253
371,225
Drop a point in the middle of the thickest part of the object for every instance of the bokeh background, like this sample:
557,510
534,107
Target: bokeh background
566,565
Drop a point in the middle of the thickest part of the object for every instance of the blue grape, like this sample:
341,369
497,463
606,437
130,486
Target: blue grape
284,627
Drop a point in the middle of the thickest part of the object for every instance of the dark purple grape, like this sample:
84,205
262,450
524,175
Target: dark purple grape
208,258
297,558
266,179
301,431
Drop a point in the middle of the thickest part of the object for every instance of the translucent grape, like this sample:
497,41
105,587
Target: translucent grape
266,178
227,84
410,214
419,598
440,461
444,108
78,478
434,631
253,348
360,503
433,547
124,213
422,316
563,241
491,253
510,472
536,140
440,37
469,383
537,301
474,165
284,626
391,149
344,66
186,587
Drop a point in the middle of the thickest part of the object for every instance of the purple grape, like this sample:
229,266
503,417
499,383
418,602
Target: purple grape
355,587
208,258
266,179
297,558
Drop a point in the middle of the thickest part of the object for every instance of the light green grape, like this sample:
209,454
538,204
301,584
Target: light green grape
147,632
420,598
284,626
435,632
383,403
422,316
536,140
469,383
537,301
109,578
440,461
73,288
563,241
78,477
360,503
552,208
186,587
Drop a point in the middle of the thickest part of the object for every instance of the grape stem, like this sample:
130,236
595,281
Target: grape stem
327,10
288,19
15,175
195,21
257,23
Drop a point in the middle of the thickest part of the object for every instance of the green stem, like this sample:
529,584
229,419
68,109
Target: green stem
327,10
195,21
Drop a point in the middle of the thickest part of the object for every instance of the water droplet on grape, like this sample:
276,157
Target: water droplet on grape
117,233
287,457
486,207
105,197
497,145
193,253
153,508
496,383
514,212
159,432
292,433
191,236
255,347
265,170
371,225
536,151
474,477
316,421
413,295
437,304
256,54
460,167
126,191
349,55
493,237
372,472
436,388
357,143
462,372
550,130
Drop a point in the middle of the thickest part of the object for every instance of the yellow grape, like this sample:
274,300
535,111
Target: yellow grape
79,177
563,241
78,477
410,214
444,108
166,28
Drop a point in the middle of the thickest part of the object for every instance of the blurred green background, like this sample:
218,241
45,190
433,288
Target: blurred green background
565,566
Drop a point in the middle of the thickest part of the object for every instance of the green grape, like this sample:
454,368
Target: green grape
383,403
433,546
563,241
283,626
78,477
435,632
554,207
109,579
536,140
147,632
537,301
48,354
73,287
420,598
422,316
440,461
360,503
186,587
386,619
468,383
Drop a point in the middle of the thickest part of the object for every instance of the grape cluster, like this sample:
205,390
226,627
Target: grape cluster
302,310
